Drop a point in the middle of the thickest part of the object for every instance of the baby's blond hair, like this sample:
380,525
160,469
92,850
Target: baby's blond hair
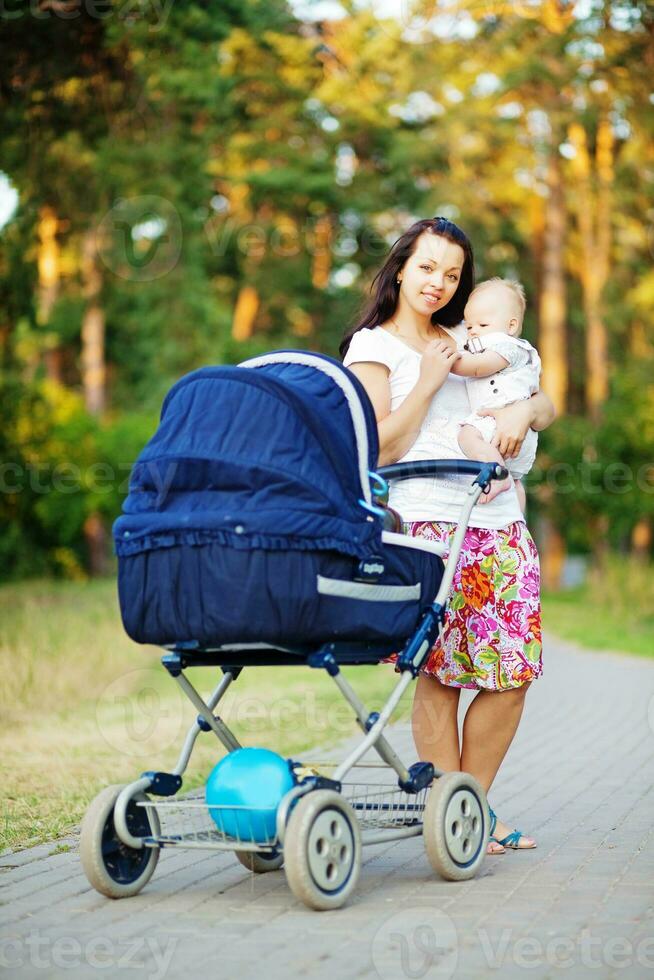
517,290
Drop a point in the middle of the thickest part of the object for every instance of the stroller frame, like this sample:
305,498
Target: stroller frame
383,812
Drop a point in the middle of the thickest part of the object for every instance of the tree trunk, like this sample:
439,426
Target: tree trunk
245,313
93,382
48,263
537,232
593,209
552,338
641,540
592,196
93,327
553,342
640,343
322,256
95,535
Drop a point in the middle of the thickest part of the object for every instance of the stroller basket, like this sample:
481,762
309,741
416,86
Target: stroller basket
189,822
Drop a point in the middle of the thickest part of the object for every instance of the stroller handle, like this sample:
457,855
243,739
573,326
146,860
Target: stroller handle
441,467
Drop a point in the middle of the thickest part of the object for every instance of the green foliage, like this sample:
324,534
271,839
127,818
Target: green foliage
207,137
59,465
45,438
586,471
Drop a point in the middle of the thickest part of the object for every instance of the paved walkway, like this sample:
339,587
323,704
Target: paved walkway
580,778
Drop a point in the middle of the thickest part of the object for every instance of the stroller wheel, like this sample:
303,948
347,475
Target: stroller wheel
260,861
322,850
455,826
113,868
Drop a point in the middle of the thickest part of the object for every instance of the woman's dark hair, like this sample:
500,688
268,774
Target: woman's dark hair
385,287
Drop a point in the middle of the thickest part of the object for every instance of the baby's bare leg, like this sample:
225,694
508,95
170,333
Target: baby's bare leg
474,445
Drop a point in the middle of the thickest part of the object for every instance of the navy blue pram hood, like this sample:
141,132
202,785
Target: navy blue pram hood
248,517
274,454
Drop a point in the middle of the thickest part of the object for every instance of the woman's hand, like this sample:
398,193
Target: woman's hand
513,424
437,361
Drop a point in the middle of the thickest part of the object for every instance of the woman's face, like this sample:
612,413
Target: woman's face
430,276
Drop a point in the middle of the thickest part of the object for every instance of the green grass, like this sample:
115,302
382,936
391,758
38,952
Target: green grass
81,706
614,610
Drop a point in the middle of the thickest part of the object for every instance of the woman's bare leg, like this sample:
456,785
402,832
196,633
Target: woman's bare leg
490,724
434,721
436,731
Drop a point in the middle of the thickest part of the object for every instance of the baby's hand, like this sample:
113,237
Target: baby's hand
513,424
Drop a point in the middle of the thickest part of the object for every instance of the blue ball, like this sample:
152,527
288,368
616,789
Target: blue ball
253,778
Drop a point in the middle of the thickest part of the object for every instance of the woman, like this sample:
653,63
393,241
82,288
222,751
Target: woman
402,351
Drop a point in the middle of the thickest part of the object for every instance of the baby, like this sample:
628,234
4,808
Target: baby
501,368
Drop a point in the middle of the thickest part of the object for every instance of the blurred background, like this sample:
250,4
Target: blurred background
189,183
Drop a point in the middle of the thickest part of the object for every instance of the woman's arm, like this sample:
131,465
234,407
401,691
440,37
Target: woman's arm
514,421
399,430
543,409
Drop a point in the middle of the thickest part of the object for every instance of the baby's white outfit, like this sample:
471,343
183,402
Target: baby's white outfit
519,380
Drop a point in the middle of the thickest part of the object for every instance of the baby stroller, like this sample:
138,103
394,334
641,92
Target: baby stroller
254,535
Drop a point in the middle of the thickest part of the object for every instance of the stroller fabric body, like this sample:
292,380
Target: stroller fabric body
248,517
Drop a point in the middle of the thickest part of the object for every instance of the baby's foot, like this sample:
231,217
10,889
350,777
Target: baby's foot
497,486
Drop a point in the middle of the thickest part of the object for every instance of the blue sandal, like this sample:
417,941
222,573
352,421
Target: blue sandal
511,840
492,839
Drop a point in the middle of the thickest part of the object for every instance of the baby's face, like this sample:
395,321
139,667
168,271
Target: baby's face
489,311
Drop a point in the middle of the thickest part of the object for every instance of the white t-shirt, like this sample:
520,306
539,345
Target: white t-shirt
431,498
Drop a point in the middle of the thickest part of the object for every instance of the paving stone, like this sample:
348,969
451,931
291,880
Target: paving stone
585,794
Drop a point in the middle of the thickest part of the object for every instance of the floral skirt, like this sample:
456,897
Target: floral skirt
492,633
